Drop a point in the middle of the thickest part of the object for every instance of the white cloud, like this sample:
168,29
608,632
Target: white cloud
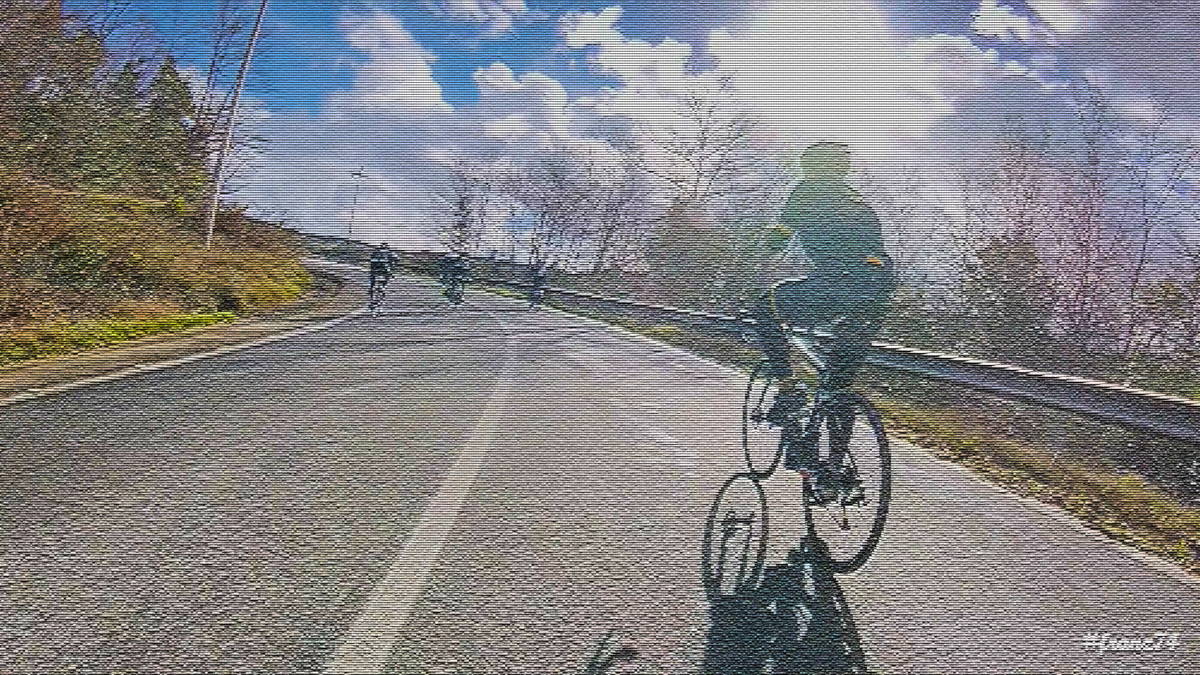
951,67
1001,21
809,71
1067,16
393,123
827,71
529,111
383,124
396,75
614,54
583,29
1135,49
498,15
508,128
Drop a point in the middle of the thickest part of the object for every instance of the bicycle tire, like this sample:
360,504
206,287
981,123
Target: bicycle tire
750,571
454,293
752,403
842,562
375,298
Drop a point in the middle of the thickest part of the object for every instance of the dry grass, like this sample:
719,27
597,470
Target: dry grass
1124,506
77,256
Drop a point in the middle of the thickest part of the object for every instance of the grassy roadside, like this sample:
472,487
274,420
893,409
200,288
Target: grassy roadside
59,338
1063,461
28,343
1029,461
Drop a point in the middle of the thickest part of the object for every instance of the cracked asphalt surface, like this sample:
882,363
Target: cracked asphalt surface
250,512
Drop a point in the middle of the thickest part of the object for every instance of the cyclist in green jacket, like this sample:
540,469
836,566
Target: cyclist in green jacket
848,287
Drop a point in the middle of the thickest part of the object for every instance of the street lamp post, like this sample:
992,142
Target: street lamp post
356,175
227,141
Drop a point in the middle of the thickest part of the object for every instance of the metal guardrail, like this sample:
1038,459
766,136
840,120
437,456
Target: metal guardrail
1148,411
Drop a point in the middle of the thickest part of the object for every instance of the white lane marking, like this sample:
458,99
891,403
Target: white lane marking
650,428
41,392
368,642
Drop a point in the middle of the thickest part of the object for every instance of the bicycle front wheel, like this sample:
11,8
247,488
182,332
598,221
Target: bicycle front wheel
849,510
762,441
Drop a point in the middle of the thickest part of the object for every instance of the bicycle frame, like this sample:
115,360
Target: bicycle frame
804,416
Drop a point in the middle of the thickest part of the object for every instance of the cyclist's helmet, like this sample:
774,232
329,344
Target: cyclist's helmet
825,160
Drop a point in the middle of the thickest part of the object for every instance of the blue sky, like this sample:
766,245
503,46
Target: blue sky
304,56
403,89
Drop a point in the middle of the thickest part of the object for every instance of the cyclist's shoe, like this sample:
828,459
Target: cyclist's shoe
842,486
825,486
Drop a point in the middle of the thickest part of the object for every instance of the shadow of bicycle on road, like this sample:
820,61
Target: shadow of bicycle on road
793,617
796,621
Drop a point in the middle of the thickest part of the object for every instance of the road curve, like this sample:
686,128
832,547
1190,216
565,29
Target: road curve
489,489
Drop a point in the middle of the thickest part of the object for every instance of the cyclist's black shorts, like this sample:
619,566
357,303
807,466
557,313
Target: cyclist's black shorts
821,298
378,276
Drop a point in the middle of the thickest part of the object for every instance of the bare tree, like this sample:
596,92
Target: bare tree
550,192
699,162
701,151
1158,170
467,197
230,22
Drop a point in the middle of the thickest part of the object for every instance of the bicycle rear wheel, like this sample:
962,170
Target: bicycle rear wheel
735,540
850,516
762,442
375,299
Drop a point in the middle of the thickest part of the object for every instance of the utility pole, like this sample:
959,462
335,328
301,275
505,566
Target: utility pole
227,141
354,202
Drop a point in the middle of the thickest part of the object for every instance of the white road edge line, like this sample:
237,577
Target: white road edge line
141,368
366,646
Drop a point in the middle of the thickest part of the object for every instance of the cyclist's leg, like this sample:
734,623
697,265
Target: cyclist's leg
772,337
854,334
859,324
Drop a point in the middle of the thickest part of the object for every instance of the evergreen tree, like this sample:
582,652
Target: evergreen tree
170,155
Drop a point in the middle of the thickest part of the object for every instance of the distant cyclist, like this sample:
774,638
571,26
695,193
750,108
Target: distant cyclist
381,267
539,274
453,272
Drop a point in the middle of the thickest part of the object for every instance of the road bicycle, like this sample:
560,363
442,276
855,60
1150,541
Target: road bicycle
455,288
537,287
830,438
536,295
376,294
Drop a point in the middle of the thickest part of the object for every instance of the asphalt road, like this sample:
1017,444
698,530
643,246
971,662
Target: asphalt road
488,489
